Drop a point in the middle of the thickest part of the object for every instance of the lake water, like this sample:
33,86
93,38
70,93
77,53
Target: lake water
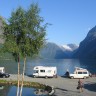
11,91
61,64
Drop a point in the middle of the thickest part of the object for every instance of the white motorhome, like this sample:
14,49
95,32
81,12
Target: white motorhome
2,73
43,71
2,70
80,73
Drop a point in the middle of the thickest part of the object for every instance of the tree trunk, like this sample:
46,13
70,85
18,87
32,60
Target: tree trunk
23,76
18,76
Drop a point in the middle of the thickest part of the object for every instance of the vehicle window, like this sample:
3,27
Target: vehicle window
79,72
36,71
84,72
49,71
42,70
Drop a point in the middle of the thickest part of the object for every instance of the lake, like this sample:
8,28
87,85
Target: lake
61,64
11,91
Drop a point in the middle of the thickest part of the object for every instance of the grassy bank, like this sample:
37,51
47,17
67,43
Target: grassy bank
26,84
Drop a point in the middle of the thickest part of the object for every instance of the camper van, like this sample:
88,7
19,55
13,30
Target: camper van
80,73
2,70
43,71
2,73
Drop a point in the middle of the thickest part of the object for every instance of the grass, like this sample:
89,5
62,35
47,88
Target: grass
26,84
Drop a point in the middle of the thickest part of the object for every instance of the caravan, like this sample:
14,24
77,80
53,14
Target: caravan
43,71
2,73
2,70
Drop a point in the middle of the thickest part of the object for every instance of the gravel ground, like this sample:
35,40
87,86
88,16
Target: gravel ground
64,86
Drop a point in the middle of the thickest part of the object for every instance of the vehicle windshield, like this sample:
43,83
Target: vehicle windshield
35,71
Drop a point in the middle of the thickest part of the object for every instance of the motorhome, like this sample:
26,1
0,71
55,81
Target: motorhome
80,73
44,71
2,73
2,70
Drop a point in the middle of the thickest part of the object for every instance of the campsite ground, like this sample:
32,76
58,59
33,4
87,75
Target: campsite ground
63,86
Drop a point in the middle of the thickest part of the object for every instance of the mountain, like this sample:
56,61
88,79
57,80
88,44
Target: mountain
70,47
87,48
54,51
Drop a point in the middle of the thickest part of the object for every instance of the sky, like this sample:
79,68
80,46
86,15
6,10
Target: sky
71,19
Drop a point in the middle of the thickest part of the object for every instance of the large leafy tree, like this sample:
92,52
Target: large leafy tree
24,35
2,24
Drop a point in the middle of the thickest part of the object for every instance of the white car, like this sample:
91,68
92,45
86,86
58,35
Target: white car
80,73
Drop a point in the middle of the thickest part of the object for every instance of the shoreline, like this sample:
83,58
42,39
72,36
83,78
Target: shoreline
63,86
26,84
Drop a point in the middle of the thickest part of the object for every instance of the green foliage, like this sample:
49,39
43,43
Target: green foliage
25,33
3,20
2,24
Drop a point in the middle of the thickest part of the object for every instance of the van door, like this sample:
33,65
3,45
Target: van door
42,73
80,75
86,74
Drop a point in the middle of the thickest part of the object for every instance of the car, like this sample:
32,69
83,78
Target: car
4,75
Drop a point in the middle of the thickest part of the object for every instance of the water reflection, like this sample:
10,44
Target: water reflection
4,90
1,87
11,91
49,90
40,92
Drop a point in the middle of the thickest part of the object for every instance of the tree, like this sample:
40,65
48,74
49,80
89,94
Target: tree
2,24
24,35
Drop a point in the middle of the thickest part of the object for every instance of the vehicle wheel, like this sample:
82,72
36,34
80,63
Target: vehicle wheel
34,76
88,77
46,77
4,76
72,77
84,77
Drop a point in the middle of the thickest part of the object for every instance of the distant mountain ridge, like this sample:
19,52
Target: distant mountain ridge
86,49
54,51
